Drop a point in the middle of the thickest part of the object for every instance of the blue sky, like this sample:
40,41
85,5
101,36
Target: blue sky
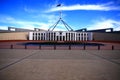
30,14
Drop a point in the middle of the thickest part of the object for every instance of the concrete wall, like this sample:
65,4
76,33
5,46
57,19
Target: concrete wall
14,36
106,36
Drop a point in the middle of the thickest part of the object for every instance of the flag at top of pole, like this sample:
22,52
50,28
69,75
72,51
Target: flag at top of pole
58,5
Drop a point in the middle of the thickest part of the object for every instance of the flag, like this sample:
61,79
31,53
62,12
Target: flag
58,5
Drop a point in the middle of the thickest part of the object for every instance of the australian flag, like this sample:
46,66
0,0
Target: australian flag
58,5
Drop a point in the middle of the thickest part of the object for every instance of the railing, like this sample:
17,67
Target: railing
61,47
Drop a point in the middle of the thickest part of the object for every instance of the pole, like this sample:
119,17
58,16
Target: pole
39,46
112,47
69,47
25,46
11,46
54,47
98,47
84,46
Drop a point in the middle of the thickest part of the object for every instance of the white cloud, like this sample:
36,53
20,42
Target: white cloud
51,19
29,10
4,27
106,23
99,7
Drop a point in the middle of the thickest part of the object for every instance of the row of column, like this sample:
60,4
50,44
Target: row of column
54,36
82,37
39,36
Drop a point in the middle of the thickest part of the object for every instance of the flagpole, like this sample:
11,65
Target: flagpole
60,14
60,19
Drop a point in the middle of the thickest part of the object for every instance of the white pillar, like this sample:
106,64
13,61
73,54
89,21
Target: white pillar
75,36
67,36
50,36
34,36
91,36
70,36
58,38
80,36
40,35
30,35
86,36
45,35
83,36
53,36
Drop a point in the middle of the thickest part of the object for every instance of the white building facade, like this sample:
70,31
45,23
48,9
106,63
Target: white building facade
60,36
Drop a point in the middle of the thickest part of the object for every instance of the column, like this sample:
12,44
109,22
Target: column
45,35
83,36
75,36
61,38
80,36
91,36
30,35
34,36
86,36
58,38
53,36
39,36
65,36
49,35
70,36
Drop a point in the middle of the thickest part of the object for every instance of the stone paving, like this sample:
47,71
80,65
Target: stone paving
20,64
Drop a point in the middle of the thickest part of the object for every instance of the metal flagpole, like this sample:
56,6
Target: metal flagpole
60,19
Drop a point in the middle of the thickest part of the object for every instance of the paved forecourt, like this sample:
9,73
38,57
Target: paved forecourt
19,64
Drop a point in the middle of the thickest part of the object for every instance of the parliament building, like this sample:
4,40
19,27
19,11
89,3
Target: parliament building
60,36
